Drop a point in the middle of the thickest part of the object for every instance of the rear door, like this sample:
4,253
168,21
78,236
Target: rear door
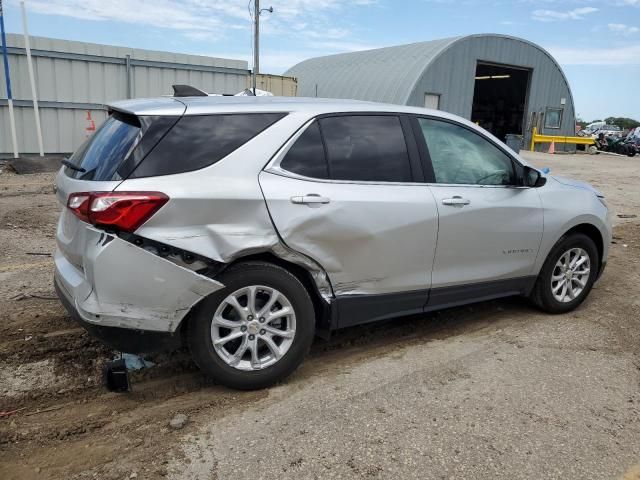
344,192
490,226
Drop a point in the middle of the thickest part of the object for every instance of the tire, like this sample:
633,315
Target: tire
251,373
543,295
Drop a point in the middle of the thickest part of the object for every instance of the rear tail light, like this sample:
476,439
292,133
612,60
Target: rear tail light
125,211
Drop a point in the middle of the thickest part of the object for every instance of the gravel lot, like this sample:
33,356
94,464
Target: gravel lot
495,390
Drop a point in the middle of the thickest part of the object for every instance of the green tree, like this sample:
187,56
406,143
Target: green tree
623,122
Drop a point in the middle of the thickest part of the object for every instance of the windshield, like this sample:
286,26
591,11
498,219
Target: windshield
101,154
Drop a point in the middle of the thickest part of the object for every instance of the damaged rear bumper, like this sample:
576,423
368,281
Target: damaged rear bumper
122,339
122,290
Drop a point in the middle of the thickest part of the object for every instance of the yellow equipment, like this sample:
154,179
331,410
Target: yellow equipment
538,138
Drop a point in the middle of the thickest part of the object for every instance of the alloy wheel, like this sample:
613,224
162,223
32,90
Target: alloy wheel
253,327
570,275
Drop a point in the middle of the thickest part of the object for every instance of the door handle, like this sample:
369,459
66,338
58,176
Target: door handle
455,201
310,199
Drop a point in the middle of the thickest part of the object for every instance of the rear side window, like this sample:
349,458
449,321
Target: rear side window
102,153
198,141
306,156
366,148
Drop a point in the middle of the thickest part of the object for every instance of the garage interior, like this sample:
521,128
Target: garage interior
499,98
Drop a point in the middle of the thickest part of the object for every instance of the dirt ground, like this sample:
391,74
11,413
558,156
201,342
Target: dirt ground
494,390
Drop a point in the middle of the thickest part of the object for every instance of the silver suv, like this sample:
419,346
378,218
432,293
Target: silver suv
244,226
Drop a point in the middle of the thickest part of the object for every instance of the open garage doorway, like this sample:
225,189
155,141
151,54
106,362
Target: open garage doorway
500,98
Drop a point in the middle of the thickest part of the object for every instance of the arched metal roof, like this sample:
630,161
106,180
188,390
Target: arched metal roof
385,74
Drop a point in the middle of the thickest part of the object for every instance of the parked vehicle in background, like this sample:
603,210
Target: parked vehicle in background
634,135
595,129
608,131
592,127
244,226
615,145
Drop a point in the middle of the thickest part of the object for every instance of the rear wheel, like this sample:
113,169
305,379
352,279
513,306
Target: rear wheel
256,330
567,275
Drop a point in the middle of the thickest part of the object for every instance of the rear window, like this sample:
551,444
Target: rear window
101,154
306,156
198,141
366,148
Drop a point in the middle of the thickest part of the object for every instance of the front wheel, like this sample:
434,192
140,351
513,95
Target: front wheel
256,330
567,275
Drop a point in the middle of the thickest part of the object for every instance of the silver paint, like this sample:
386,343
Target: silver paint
262,331
153,295
371,238
570,275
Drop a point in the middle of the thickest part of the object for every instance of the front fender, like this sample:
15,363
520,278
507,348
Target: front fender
565,208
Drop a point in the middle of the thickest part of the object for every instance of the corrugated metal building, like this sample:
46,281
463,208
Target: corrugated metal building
75,79
505,84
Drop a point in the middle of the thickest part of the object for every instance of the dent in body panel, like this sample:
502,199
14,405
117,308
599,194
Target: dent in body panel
242,227
370,238
222,229
133,288
318,274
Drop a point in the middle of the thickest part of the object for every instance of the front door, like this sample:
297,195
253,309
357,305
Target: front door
490,227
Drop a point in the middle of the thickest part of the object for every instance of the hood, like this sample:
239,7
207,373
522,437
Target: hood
577,184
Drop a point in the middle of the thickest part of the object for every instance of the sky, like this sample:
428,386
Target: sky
597,43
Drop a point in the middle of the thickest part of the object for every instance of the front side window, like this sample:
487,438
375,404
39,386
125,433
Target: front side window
366,148
460,156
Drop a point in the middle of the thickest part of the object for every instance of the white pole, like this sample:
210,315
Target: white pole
12,121
31,77
7,78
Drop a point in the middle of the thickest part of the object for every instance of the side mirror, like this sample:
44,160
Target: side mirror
533,178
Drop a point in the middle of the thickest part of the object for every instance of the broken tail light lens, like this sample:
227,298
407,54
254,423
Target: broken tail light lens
78,203
125,211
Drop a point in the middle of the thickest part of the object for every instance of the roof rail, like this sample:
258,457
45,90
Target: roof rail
188,91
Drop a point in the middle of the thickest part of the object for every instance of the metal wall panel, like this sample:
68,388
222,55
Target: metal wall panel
63,130
452,75
278,85
69,75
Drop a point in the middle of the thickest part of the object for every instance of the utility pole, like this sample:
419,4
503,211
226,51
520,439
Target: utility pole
256,40
31,77
7,78
256,43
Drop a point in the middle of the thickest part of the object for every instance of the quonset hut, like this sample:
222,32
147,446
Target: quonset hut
505,84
